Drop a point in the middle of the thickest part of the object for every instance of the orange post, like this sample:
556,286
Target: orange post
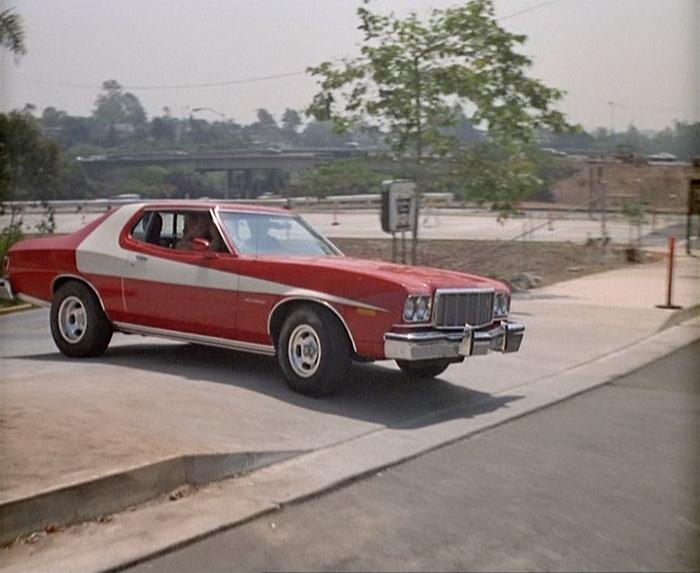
669,290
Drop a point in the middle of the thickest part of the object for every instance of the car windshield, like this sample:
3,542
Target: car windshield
272,234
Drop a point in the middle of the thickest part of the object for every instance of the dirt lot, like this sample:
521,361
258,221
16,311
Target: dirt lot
662,187
552,262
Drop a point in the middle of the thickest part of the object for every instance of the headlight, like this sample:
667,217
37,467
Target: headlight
501,304
417,308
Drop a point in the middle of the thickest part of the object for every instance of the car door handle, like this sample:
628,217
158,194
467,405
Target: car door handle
141,258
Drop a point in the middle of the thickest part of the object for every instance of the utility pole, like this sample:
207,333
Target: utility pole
419,152
603,196
592,199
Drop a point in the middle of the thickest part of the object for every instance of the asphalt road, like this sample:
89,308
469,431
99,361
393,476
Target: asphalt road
63,411
608,480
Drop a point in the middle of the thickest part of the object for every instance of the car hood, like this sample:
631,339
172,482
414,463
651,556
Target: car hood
414,279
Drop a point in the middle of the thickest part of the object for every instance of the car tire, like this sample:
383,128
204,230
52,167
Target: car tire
423,368
313,351
79,326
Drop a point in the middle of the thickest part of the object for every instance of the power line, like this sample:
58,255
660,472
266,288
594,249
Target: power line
243,81
530,9
175,86
650,107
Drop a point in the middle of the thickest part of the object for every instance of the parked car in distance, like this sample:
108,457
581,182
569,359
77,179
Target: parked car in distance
256,279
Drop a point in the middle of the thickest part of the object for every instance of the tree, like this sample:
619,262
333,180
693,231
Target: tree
52,117
115,106
410,74
291,121
29,163
344,177
265,119
493,173
163,129
265,130
322,134
12,32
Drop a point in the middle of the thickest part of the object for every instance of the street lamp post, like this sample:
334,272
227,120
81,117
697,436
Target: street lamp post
196,109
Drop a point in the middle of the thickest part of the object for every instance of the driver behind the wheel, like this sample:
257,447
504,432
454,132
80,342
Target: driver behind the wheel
196,226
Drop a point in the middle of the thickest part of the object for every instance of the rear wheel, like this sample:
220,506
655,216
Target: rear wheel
423,368
79,326
313,351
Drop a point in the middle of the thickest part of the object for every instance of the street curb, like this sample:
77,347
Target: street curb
680,316
16,308
86,500
227,504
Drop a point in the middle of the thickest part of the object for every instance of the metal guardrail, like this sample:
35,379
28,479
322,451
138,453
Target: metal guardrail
103,204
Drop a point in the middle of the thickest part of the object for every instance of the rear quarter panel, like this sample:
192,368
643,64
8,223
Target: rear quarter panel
36,263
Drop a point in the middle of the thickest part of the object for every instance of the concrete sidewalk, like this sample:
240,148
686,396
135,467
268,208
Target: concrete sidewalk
66,423
637,286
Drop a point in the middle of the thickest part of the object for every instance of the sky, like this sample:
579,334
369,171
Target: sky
620,62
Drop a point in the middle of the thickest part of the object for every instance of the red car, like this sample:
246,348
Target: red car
256,279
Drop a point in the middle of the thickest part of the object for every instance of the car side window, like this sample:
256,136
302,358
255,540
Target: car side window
139,230
176,229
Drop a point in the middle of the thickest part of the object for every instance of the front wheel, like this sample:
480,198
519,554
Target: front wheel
79,326
313,351
423,368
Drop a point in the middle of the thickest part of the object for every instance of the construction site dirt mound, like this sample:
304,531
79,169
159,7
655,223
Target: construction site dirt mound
661,187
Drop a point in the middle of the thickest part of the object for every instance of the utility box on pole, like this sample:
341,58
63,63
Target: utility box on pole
399,211
398,206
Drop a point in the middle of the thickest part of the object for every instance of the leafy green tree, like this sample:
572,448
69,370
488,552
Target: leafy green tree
12,32
491,173
115,106
344,177
411,73
291,120
52,117
265,129
29,162
463,130
72,182
322,134
163,129
265,118
70,131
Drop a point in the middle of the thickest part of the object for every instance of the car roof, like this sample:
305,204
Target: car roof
221,205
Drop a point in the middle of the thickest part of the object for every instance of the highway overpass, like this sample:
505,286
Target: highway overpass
248,173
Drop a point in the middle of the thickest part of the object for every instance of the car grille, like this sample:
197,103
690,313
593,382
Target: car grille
459,307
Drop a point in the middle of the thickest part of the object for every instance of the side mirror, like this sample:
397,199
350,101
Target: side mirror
200,245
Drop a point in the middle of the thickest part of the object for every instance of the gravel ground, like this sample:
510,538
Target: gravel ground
551,262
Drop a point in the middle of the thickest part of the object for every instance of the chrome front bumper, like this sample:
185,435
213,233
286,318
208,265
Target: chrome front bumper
428,345
6,290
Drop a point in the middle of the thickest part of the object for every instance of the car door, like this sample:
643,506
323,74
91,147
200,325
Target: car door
184,291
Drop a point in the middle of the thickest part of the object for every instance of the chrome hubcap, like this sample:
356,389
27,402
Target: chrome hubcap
304,351
72,319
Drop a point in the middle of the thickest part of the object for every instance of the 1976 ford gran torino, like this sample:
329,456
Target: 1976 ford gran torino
255,279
